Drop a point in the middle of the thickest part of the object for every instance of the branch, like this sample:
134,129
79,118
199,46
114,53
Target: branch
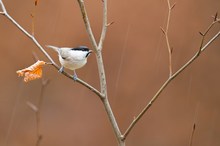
104,25
215,20
192,134
85,84
165,32
87,23
3,7
45,53
133,123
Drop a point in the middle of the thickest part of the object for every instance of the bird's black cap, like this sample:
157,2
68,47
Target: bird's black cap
81,48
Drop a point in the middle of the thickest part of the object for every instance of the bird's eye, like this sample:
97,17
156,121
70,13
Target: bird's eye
63,58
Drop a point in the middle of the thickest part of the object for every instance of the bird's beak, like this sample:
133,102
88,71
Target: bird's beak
90,51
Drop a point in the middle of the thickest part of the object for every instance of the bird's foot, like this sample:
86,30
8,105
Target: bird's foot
74,76
61,69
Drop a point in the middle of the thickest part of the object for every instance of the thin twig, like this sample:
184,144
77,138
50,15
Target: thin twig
207,30
104,25
192,134
45,53
167,38
133,123
87,23
194,125
3,7
85,84
14,110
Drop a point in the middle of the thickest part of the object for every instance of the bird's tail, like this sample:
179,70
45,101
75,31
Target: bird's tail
53,47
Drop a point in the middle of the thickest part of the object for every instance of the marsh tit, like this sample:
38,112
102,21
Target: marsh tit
72,58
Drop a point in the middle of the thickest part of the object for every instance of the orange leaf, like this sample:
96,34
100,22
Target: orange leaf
32,72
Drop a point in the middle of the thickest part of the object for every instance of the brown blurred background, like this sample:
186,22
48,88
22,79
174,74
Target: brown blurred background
136,63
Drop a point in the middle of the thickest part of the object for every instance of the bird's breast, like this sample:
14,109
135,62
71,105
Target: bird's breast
72,64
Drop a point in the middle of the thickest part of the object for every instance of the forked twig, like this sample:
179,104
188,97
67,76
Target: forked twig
215,20
203,48
165,32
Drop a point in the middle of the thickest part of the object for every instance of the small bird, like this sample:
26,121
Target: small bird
72,58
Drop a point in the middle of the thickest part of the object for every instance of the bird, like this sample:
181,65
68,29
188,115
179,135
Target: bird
72,58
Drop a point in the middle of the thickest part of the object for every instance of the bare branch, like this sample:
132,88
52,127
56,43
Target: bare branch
215,17
104,25
166,36
207,30
133,123
87,24
85,84
3,7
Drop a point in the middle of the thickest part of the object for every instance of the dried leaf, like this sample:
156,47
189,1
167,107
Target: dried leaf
32,72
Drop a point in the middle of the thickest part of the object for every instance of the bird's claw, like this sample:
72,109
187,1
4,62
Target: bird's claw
74,77
61,69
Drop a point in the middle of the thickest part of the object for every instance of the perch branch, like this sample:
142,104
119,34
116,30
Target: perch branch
133,123
45,53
